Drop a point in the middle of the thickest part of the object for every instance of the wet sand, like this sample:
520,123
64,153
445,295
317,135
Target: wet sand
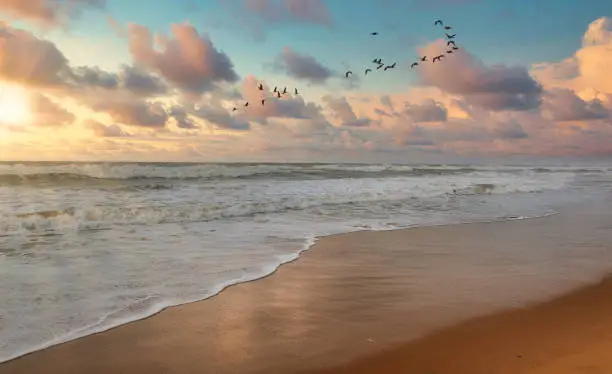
369,302
569,335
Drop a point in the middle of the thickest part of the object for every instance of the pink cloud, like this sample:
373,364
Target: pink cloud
106,131
565,105
307,11
493,88
288,106
302,66
47,12
341,110
428,111
187,60
47,113
28,60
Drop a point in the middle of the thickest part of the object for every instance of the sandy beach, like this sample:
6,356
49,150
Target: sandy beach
363,303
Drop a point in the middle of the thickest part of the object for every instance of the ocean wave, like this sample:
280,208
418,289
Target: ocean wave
92,173
331,197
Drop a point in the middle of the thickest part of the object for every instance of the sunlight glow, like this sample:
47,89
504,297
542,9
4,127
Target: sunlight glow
14,105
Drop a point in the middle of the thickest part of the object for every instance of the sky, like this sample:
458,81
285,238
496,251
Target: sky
158,80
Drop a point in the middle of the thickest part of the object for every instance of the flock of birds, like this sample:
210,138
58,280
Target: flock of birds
450,44
276,92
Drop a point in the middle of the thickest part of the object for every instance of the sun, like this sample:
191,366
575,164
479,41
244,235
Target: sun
14,105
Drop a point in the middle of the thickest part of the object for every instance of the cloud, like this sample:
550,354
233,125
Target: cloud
343,111
48,12
288,106
313,11
493,88
221,118
302,66
140,82
509,129
28,60
126,109
47,113
106,131
585,71
428,111
187,60
564,105
34,62
182,119
309,11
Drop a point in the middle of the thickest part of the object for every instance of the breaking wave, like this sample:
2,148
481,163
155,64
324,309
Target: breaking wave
90,173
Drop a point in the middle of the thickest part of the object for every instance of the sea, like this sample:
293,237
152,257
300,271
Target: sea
85,247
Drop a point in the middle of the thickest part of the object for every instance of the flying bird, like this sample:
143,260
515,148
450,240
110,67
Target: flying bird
367,71
438,22
389,66
234,109
348,73
380,66
285,91
296,91
449,51
261,86
450,36
438,58
377,61
424,58
450,42
246,104
414,64
374,33
447,27
455,48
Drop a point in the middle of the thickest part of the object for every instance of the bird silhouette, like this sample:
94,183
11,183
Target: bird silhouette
414,64
296,91
450,42
374,33
348,73
438,22
380,66
246,104
390,66
450,36
438,58
263,101
261,86
447,27
234,109
285,91
367,71
377,61
455,48
275,89
424,58
449,51
278,94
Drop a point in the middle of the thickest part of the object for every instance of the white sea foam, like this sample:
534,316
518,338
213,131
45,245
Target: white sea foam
127,240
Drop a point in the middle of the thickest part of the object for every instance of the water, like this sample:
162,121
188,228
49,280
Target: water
88,246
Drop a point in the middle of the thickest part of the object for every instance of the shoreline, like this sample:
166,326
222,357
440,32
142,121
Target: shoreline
309,244
231,296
